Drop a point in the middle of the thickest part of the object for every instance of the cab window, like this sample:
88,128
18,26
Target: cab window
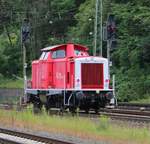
80,53
43,55
46,56
58,54
77,52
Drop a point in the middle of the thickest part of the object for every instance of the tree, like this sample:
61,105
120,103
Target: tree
131,57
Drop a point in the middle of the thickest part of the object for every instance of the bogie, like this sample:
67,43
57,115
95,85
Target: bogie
72,100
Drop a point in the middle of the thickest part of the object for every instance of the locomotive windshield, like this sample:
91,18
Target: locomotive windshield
80,53
44,56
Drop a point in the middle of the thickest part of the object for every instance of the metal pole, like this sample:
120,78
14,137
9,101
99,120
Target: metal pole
108,55
23,98
95,29
114,92
64,90
24,71
101,29
108,50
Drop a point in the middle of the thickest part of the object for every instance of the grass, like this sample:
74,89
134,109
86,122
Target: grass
145,100
81,127
11,83
9,99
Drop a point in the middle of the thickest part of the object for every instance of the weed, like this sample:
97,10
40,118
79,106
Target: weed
104,123
75,125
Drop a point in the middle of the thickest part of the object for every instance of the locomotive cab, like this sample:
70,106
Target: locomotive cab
66,76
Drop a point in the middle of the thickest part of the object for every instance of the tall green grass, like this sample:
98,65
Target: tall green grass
88,127
11,83
144,100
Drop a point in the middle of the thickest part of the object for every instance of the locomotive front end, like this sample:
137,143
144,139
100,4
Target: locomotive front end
91,73
92,82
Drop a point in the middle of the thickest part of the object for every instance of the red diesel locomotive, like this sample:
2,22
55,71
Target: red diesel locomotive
65,76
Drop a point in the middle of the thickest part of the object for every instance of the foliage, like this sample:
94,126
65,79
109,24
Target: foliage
80,33
49,21
11,83
131,57
59,21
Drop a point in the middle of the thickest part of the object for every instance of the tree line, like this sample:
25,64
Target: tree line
60,21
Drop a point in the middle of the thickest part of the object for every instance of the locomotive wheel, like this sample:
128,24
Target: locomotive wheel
37,108
96,110
62,109
72,109
104,104
87,110
47,108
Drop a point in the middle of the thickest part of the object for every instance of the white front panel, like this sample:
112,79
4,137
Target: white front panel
77,75
78,63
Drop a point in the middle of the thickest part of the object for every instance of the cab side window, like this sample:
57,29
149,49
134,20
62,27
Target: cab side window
59,54
54,55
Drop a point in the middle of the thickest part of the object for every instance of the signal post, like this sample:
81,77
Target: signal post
110,32
25,31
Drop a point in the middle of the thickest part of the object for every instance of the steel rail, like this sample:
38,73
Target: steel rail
126,105
128,111
127,117
34,137
134,104
120,114
6,141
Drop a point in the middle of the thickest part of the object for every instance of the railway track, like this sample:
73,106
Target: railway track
127,115
134,106
8,136
124,111
119,114
121,105
129,112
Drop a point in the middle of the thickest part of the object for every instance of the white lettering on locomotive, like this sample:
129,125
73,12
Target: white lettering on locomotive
59,76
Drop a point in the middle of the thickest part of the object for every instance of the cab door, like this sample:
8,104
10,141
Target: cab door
59,68
50,77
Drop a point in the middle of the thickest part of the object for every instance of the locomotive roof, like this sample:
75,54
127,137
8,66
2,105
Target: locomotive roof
57,46
50,47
